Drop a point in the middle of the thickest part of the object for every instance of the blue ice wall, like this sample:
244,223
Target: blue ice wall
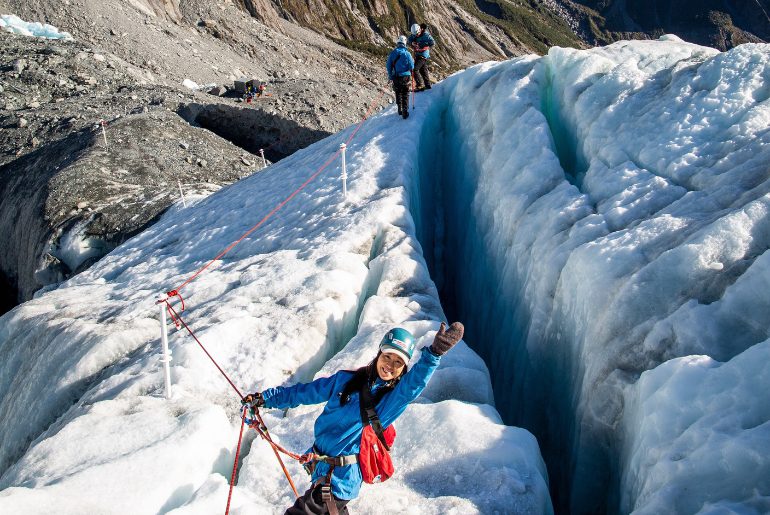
479,284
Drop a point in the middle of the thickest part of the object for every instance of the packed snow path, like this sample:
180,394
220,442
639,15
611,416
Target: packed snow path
589,215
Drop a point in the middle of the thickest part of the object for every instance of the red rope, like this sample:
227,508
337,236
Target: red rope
263,432
174,292
172,314
235,464
175,314
259,425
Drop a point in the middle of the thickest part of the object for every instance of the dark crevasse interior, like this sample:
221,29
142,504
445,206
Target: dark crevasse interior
480,290
564,140
253,129
8,294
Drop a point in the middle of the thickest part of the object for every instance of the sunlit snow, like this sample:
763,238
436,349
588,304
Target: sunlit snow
598,219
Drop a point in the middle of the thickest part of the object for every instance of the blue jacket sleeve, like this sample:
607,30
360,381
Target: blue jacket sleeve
409,388
390,66
316,392
410,60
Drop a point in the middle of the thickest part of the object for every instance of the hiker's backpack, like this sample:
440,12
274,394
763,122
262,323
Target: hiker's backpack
374,456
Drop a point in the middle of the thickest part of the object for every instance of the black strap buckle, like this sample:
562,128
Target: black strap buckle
326,493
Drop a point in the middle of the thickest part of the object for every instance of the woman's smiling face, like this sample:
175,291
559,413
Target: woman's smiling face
389,366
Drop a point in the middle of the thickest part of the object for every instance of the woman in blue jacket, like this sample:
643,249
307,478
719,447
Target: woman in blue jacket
339,427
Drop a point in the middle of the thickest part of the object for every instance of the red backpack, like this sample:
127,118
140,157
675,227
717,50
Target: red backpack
374,456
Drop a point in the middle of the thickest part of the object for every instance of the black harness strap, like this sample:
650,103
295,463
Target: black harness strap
326,493
369,415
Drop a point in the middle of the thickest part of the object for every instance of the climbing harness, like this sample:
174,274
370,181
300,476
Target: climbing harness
255,420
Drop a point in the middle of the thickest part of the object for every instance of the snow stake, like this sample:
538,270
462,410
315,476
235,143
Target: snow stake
262,153
343,147
104,132
181,193
166,359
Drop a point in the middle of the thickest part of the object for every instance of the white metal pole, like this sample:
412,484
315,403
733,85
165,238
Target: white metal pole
343,147
104,133
166,359
181,193
262,153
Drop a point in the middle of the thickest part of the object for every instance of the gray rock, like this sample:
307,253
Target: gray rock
217,91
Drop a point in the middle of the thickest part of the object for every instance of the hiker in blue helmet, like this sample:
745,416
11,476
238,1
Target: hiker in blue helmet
400,65
377,393
421,42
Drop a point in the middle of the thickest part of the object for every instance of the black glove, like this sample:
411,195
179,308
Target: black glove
254,400
447,338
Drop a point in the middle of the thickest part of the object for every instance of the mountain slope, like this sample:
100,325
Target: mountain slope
721,24
466,31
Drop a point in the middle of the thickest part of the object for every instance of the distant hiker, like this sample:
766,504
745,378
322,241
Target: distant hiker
400,65
421,41
353,434
254,90
249,92
260,90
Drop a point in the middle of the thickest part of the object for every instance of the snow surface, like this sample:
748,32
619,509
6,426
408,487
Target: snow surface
14,24
598,219
311,292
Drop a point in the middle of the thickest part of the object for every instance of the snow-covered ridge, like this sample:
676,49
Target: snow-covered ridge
589,215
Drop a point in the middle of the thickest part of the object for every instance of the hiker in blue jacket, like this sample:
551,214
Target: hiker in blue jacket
421,41
336,475
400,65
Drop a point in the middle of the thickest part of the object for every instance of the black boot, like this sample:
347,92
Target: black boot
406,114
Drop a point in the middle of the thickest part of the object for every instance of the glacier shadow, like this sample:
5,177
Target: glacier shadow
477,287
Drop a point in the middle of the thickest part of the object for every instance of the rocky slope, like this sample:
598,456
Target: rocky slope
71,191
67,200
467,31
